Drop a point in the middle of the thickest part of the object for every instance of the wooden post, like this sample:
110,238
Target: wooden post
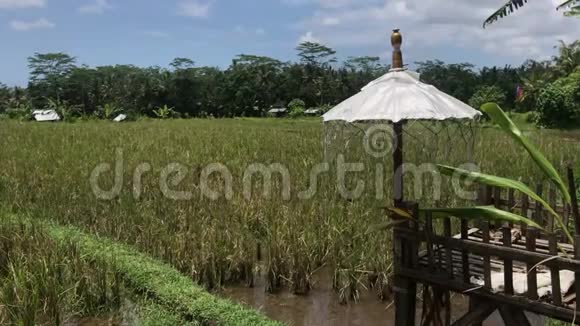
448,251
538,206
525,206
486,258
532,275
508,263
577,272
574,205
552,202
554,271
465,253
398,163
405,289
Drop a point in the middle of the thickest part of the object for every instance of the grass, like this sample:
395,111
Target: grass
174,294
45,171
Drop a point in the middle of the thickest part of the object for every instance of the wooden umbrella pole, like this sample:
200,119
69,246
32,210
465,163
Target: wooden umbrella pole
405,288
396,42
398,163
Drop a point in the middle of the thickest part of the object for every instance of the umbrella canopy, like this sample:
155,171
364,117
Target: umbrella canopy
398,96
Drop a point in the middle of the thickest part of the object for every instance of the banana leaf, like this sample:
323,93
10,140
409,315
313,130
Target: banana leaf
502,120
480,213
505,183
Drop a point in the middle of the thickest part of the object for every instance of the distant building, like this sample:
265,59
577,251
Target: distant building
313,112
45,115
278,112
120,117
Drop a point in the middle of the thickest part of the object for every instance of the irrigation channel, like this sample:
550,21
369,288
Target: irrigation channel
321,306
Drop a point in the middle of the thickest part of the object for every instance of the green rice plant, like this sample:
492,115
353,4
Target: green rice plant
46,283
45,172
144,275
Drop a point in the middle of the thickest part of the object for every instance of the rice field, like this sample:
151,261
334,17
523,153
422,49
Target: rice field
159,186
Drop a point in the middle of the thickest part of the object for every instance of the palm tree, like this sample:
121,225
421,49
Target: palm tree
568,57
572,6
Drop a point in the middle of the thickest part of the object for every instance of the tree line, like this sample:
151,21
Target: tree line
252,84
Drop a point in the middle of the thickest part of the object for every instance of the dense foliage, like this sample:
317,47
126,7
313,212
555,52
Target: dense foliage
486,94
251,85
559,103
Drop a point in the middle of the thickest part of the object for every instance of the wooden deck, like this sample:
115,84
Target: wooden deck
476,263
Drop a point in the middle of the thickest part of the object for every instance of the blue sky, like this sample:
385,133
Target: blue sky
212,32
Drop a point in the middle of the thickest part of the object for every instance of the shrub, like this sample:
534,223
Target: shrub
486,94
296,104
296,112
558,105
325,108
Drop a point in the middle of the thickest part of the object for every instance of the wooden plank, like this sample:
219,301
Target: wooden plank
497,197
474,305
447,298
538,216
577,271
511,203
449,258
477,315
465,254
554,271
508,273
488,195
521,302
567,213
497,203
479,248
486,258
572,189
552,202
429,243
531,273
513,316
524,210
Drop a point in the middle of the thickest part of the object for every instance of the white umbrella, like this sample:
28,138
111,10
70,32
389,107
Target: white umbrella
397,97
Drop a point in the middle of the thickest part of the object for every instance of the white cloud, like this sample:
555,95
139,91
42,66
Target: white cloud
435,24
21,4
97,7
330,21
308,37
23,26
157,34
195,8
242,30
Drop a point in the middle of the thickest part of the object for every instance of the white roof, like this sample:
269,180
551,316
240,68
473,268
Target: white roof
277,110
399,95
120,118
45,115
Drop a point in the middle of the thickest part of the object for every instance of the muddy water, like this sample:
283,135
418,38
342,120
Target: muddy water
321,307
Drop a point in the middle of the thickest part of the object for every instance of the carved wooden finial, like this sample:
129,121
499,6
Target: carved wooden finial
396,42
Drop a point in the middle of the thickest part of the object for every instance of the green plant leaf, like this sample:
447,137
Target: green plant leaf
384,226
399,212
479,213
502,120
504,183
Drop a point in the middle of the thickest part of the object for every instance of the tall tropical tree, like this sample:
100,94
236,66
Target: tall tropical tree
572,8
568,58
